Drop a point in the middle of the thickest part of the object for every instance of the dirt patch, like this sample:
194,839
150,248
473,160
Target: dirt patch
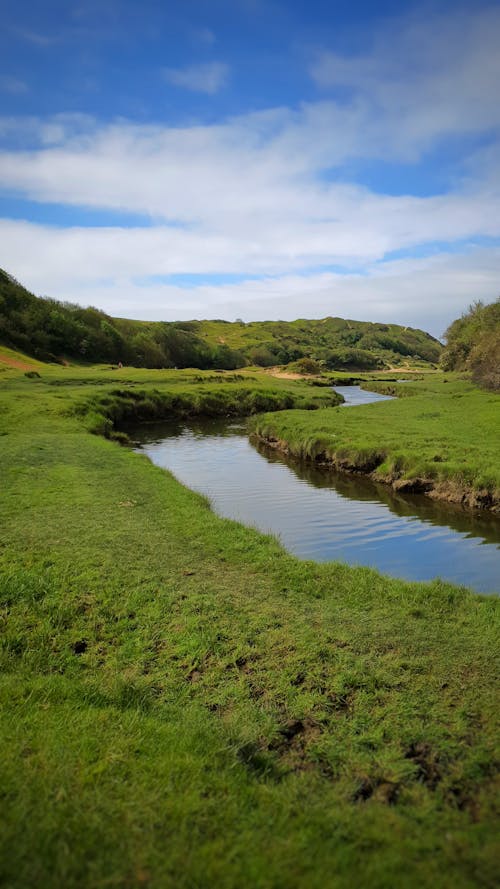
378,789
290,375
286,752
14,362
340,703
295,733
284,375
426,762
292,744
193,676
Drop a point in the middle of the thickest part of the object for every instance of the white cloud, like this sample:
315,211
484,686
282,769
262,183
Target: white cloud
110,268
425,78
207,77
247,196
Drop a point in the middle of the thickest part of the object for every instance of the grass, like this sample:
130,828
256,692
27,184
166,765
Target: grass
186,705
441,435
13,358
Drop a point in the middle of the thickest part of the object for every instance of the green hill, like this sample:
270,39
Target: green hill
339,343
52,331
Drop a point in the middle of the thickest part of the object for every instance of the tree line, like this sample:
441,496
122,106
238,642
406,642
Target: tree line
52,331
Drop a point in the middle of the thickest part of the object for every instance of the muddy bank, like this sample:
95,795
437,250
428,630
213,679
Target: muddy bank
449,491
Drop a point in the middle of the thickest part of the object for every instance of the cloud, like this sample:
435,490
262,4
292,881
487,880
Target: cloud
424,78
204,36
119,270
206,78
251,188
266,194
13,85
246,198
35,37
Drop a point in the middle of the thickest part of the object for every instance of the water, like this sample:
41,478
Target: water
323,515
354,395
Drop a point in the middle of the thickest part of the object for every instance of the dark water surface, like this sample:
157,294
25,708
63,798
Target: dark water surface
323,515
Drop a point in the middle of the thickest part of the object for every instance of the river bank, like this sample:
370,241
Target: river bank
185,704
325,516
441,439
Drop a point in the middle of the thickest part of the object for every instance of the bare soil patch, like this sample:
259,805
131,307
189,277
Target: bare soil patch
14,362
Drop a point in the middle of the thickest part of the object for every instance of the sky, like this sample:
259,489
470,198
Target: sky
253,159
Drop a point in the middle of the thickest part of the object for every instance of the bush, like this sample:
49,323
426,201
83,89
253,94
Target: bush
473,343
306,366
262,357
484,360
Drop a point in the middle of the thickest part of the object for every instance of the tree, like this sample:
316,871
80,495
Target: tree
473,344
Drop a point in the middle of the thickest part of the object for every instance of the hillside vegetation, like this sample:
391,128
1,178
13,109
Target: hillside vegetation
337,343
473,344
51,331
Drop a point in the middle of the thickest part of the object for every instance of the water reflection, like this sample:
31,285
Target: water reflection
354,487
324,515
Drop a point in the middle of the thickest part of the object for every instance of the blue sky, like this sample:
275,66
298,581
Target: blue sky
253,159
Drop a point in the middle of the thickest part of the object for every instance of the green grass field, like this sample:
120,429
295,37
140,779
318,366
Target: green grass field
441,434
186,705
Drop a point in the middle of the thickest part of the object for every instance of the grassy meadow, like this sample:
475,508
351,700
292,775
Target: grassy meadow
441,436
184,704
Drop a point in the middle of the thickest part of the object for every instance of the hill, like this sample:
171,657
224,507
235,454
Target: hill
52,331
336,342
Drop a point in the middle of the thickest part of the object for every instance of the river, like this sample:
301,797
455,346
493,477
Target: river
323,515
